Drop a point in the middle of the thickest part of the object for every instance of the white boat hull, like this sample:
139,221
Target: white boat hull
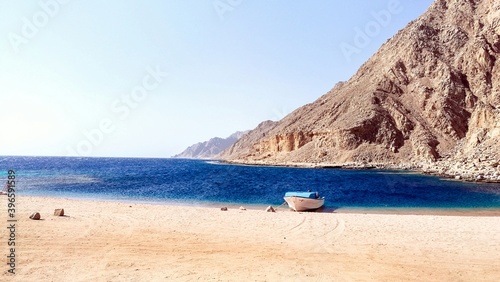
303,204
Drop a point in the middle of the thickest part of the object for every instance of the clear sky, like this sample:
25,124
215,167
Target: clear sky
125,78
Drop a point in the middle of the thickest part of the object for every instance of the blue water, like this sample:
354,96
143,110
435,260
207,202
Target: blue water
194,182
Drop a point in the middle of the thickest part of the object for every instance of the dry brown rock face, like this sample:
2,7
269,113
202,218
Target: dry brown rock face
429,98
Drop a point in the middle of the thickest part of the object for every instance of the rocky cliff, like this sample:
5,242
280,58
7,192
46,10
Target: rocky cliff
210,149
429,98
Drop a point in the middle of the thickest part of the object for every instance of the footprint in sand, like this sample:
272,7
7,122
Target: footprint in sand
315,233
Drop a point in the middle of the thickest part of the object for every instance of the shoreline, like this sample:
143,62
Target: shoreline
283,208
441,169
109,241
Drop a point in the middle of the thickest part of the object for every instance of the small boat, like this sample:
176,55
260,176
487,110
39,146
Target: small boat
302,201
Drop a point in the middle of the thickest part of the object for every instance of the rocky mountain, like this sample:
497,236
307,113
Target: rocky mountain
210,149
250,137
428,99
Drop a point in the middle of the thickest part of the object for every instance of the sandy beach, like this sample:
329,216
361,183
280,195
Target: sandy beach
112,241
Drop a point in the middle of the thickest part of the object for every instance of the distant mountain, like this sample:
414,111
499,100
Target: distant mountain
210,149
429,98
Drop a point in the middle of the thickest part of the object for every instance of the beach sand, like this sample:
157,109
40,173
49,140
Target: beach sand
111,241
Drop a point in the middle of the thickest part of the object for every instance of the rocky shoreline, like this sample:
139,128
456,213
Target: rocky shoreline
486,171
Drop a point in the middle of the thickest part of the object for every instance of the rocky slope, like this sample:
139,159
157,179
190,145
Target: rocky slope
428,99
210,149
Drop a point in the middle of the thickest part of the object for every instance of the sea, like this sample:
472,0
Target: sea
209,183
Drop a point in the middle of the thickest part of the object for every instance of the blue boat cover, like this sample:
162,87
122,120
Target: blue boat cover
310,195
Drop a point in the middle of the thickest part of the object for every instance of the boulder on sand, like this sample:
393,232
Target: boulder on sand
35,216
59,212
223,209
